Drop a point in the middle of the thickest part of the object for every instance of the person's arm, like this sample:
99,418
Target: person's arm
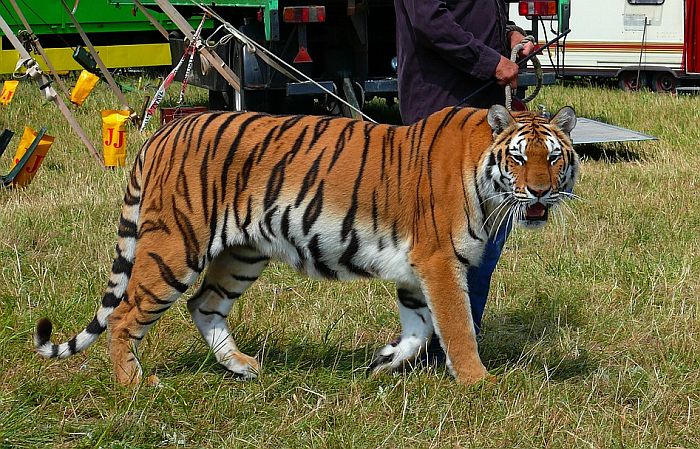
435,26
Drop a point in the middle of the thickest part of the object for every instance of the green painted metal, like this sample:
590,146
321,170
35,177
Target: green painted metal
564,14
268,7
95,16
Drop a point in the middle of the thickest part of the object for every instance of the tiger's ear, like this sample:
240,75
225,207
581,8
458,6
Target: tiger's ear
565,119
499,118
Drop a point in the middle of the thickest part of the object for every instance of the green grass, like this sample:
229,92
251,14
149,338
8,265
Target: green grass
592,326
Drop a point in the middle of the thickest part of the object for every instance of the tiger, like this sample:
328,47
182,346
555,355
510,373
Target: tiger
335,198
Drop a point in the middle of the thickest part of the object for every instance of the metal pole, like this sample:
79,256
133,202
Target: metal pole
213,58
40,49
151,19
35,72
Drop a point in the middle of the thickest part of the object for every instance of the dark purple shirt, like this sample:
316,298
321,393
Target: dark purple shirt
446,50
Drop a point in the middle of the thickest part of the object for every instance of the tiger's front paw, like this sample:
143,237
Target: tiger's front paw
475,375
242,366
396,354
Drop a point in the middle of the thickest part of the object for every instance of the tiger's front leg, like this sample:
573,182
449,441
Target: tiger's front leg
447,296
416,330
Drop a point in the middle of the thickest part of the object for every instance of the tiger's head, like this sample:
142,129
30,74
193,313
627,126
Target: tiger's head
531,165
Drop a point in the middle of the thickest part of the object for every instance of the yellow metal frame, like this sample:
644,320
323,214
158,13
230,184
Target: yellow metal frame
114,56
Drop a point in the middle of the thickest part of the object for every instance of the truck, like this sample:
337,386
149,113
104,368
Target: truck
642,43
346,46
122,35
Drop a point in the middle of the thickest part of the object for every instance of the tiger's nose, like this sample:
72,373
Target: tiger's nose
538,191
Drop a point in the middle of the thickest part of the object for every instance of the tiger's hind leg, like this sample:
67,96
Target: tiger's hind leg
158,278
416,330
228,276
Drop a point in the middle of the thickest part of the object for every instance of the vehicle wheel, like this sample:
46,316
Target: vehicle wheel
664,82
629,82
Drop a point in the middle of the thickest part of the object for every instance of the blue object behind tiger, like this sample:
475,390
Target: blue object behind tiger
479,281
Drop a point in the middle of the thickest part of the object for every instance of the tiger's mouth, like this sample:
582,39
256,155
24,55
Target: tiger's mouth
536,212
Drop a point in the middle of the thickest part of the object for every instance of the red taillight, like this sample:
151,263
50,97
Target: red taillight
538,8
304,14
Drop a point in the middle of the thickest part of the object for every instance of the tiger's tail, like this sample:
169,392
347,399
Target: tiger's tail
118,279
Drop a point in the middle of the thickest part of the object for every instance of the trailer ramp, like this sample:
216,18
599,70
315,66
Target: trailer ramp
592,131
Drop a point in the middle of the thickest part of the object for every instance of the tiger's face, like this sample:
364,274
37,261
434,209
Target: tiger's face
532,165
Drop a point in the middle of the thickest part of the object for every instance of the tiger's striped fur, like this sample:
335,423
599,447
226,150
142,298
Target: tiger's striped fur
335,198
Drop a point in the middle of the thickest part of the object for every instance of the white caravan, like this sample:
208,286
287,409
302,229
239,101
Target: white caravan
641,42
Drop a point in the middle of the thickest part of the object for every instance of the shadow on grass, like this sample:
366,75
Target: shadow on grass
531,336
612,153
300,354
528,336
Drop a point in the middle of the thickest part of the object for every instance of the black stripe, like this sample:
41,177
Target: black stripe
309,180
248,218
189,237
153,226
284,224
158,311
263,232
134,337
297,144
248,259
342,141
268,220
131,200
242,278
320,266
153,296
204,178
288,124
274,183
94,327
313,210
212,312
349,219
167,274
213,221
234,146
349,253
110,300
121,265
230,294
395,234
224,227
375,212
149,322
72,345
407,299
320,128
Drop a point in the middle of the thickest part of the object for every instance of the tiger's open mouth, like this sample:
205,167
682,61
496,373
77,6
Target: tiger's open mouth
536,212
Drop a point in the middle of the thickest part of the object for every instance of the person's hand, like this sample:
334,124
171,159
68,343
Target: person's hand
516,38
507,73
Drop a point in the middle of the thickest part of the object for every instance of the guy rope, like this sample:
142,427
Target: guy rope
100,64
34,71
34,42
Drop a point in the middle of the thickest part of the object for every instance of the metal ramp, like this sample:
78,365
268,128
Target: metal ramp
592,131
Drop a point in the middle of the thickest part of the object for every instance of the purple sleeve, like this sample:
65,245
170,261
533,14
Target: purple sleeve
435,26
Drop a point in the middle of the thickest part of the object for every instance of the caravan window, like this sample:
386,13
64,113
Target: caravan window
645,2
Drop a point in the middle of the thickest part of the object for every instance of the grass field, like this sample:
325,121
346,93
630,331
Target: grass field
592,328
